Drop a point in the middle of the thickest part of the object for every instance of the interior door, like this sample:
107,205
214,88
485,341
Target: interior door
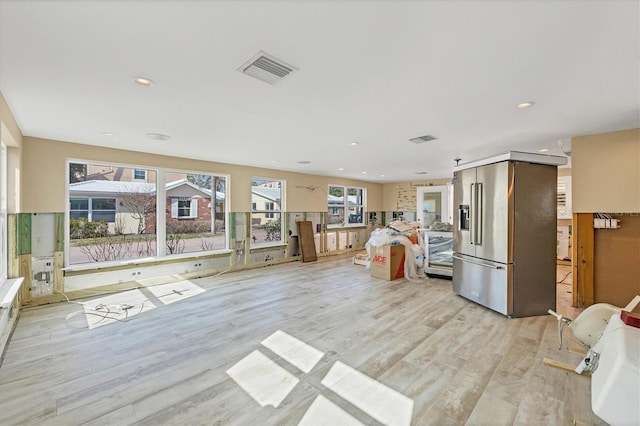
432,205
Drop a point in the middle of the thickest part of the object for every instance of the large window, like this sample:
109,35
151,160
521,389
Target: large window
196,204
113,213
266,211
345,206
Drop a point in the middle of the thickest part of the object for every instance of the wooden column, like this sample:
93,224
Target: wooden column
23,253
583,260
58,253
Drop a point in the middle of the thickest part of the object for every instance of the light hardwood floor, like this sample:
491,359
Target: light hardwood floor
323,341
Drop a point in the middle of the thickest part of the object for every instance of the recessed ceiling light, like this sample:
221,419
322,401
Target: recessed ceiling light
107,134
543,150
158,136
525,105
341,168
273,161
382,175
143,81
304,162
354,143
364,173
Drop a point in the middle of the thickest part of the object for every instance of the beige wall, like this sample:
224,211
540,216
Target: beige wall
44,177
399,196
606,172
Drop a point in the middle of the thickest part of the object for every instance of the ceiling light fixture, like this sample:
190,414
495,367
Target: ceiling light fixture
354,143
340,168
158,136
107,134
420,173
364,173
143,81
525,105
543,150
304,162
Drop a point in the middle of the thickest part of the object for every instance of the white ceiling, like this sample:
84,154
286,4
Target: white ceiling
374,72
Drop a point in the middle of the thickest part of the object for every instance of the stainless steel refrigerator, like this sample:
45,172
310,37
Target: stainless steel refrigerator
505,233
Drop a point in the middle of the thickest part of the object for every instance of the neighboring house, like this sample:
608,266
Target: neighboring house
187,201
117,203
263,199
337,207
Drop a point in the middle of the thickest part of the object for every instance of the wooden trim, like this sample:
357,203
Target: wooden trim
59,231
564,367
24,269
58,274
583,260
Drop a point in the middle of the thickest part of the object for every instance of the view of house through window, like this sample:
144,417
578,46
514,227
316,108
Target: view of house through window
113,213
266,211
345,206
196,212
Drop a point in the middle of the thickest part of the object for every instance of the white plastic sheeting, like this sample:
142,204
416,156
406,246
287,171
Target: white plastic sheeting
413,253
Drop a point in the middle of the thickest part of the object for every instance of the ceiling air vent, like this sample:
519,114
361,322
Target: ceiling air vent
422,139
267,68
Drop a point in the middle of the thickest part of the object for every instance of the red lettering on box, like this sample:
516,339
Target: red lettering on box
379,259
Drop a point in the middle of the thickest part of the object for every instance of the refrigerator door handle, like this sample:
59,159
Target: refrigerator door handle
472,215
478,216
486,265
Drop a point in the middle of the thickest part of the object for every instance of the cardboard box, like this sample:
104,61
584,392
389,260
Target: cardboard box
387,262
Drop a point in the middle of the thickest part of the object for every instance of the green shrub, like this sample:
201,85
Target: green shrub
81,228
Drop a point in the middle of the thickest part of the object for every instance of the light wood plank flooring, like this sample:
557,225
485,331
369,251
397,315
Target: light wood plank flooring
436,357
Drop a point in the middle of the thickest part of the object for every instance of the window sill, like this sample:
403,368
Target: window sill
12,287
347,225
269,245
147,261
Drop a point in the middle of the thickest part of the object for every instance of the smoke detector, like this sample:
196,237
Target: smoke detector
422,139
267,68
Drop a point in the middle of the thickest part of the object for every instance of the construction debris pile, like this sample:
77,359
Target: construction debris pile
400,233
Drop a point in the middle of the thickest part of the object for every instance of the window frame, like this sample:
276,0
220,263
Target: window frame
160,183
346,207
